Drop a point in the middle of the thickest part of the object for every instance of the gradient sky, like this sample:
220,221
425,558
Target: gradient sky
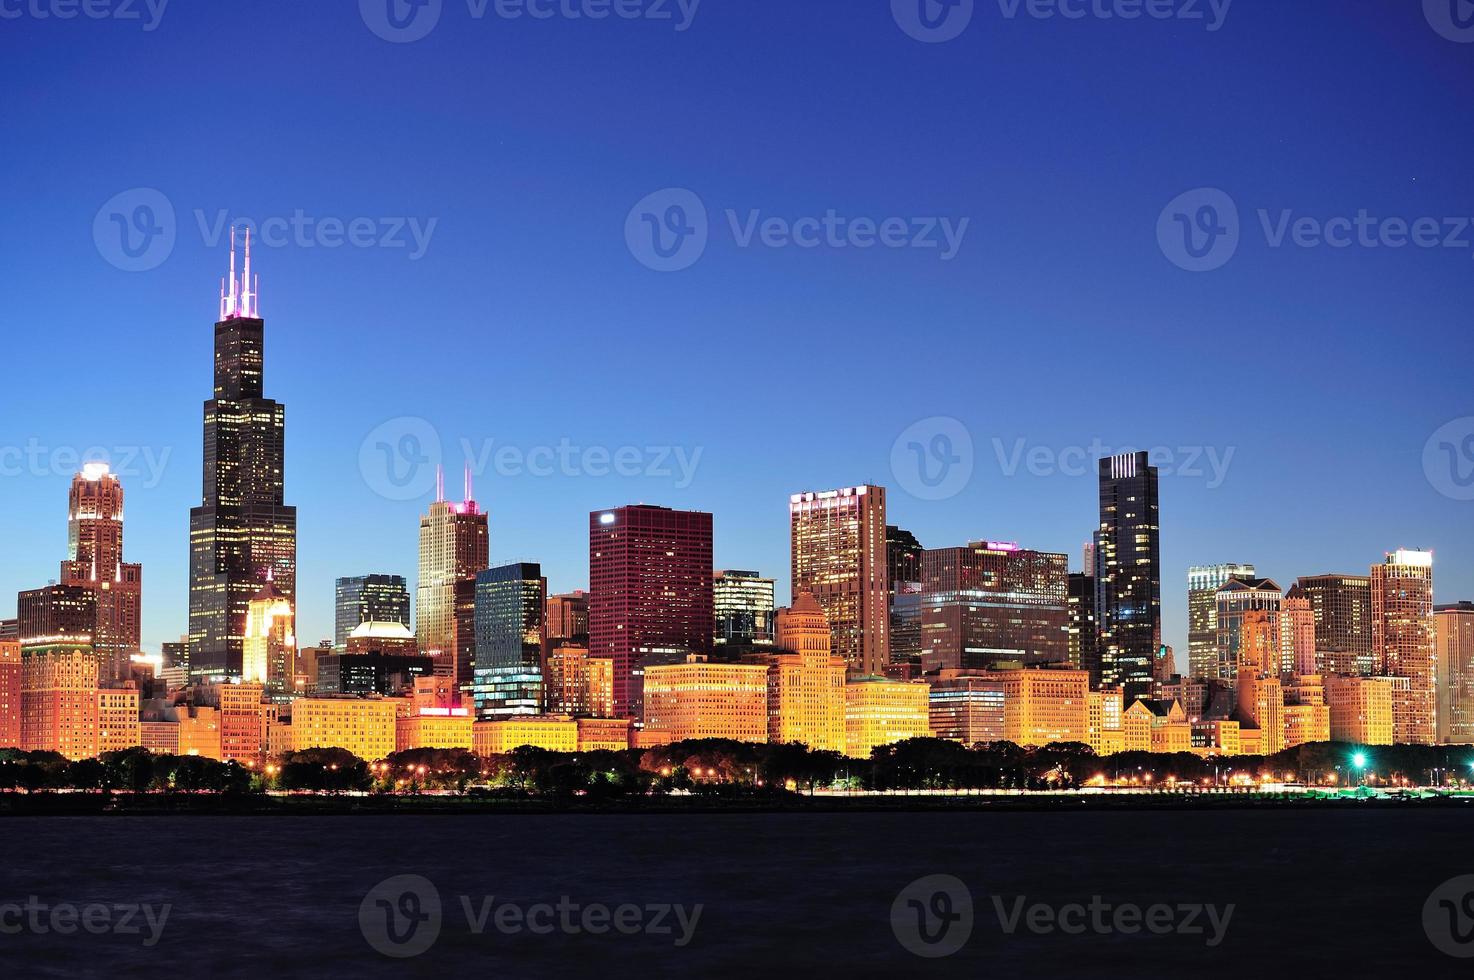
528,321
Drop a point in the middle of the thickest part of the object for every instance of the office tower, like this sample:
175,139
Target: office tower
1164,665
1297,633
700,699
365,727
1307,716
242,529
1203,583
806,681
117,719
176,655
508,616
10,694
1343,621
744,607
1404,644
9,629
95,561
453,548
571,681
57,614
993,604
650,591
839,554
269,653
567,616
1248,622
882,712
59,699
1082,642
1361,709
903,580
967,706
1128,573
368,599
1454,626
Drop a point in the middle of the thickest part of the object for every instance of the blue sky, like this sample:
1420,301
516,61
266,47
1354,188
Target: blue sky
529,321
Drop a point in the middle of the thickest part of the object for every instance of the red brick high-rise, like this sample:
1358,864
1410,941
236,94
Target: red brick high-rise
10,694
650,590
95,561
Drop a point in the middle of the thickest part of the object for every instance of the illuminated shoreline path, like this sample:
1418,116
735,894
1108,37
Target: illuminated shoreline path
242,535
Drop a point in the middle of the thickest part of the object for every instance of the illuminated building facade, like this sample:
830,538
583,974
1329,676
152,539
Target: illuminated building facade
880,712
806,680
743,602
1261,704
117,719
1343,622
552,732
650,588
57,613
453,548
368,599
1104,719
1128,572
1248,620
1297,633
59,685
434,728
993,605
566,681
243,531
10,694
838,541
242,717
509,607
903,577
363,726
269,652
95,562
159,737
1203,583
567,617
967,706
1361,709
1082,633
701,699
1404,643
608,734
1454,626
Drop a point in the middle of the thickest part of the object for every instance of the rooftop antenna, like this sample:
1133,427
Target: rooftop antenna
469,497
439,483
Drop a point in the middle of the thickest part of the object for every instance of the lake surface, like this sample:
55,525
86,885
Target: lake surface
1314,893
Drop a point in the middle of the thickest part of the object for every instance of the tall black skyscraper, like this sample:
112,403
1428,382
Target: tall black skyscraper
1128,574
368,599
242,534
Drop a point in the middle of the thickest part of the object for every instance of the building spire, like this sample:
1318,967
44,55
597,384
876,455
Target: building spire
439,483
240,298
469,496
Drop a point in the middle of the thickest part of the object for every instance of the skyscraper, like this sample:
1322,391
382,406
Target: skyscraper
453,548
1404,643
1203,583
1128,573
1343,621
509,609
95,561
993,605
1082,642
269,653
57,614
839,554
242,529
568,617
1454,624
744,607
368,599
903,555
650,591
1297,634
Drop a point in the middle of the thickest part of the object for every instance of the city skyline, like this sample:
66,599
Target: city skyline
347,323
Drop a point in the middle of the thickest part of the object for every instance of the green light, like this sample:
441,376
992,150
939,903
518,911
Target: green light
1359,760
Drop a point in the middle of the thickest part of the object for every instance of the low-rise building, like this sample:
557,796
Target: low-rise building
879,711
556,733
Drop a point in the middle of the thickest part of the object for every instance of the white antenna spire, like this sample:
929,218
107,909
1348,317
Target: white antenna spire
439,483
469,497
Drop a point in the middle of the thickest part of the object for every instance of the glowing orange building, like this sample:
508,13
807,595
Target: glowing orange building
1404,642
59,699
806,686
604,733
700,699
363,726
269,651
10,694
879,712
453,548
1361,709
434,727
117,719
839,554
556,733
95,560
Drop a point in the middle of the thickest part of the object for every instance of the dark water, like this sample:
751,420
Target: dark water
1315,893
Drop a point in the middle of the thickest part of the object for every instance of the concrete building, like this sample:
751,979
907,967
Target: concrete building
701,699
1405,644
1454,627
1361,709
363,726
838,542
993,605
881,712
806,680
